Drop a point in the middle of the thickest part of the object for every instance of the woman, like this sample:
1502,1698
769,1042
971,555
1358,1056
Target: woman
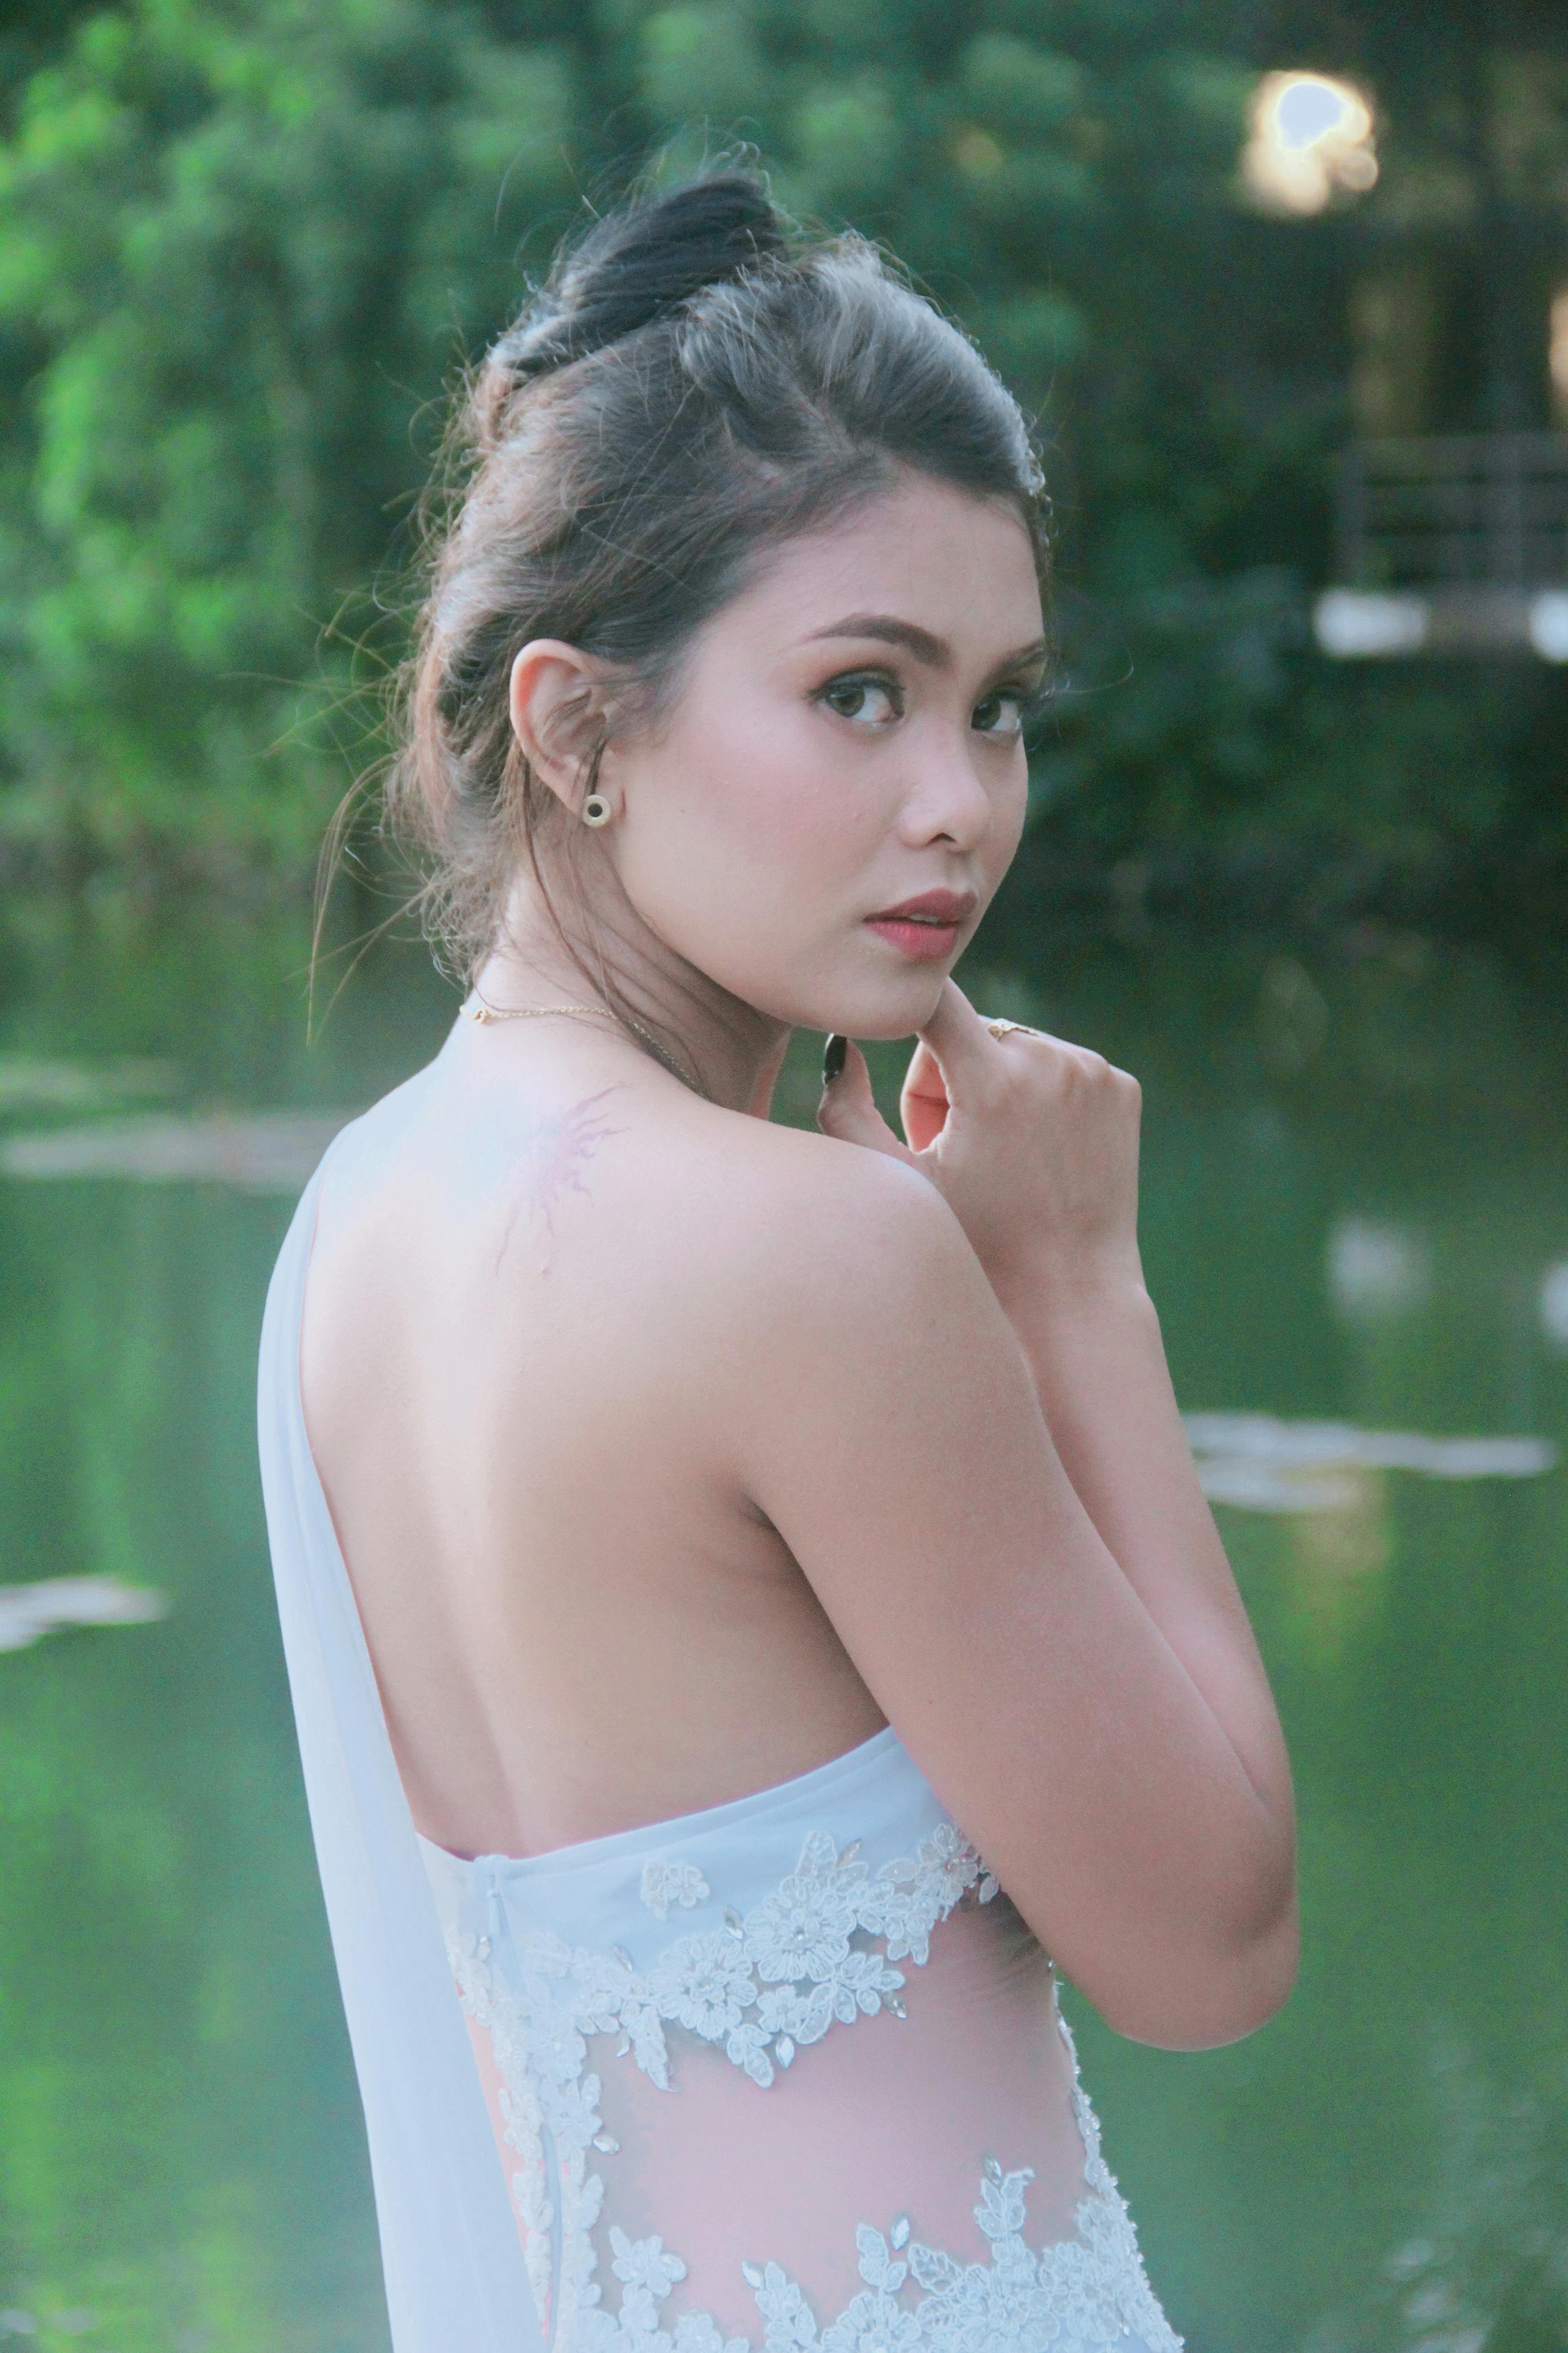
794,1615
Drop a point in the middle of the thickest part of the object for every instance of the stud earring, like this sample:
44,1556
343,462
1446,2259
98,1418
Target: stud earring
596,810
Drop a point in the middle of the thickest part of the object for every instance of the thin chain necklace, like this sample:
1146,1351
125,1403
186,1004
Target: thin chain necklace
484,1011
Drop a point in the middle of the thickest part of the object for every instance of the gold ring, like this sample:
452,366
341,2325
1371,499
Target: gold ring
1002,1028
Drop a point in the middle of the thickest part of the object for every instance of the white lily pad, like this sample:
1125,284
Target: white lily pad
1256,1462
28,1612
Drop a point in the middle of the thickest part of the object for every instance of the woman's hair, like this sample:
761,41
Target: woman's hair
689,387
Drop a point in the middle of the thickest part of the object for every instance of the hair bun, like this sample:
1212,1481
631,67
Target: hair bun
639,263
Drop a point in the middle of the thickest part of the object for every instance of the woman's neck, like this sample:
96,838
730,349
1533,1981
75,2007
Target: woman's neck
609,955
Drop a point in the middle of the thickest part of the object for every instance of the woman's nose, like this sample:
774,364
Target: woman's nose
947,801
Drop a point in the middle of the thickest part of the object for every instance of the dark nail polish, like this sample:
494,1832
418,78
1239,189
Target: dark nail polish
833,1056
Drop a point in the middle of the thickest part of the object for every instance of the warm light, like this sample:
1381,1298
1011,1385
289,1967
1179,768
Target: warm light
1311,137
1554,1306
1557,360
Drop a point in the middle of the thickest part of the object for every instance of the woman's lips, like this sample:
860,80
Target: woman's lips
923,941
925,929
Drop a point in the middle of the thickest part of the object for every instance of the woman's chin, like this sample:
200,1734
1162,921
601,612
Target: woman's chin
886,1014
873,1007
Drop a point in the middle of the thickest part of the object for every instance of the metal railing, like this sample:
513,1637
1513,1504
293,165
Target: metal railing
1487,509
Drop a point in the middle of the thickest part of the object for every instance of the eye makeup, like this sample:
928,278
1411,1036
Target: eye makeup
855,694
848,694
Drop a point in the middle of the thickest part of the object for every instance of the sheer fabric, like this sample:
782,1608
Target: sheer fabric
455,2276
786,2072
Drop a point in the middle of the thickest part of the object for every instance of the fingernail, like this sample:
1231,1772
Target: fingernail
833,1056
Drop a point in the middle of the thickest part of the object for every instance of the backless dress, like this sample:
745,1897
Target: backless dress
783,2074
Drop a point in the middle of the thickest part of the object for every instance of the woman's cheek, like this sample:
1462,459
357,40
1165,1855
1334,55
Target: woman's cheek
811,817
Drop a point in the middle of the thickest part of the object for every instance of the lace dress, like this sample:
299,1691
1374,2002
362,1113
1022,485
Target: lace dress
783,2074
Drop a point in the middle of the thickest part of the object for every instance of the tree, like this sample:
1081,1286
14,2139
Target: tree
242,250
245,247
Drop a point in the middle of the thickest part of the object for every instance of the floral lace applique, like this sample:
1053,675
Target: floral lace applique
1086,2295
664,1883
1083,2296
765,1984
482,1995
761,1985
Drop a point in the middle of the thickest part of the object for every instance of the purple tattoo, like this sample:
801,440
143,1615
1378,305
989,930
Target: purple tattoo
551,1150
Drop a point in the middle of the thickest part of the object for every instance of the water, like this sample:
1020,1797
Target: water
1355,1214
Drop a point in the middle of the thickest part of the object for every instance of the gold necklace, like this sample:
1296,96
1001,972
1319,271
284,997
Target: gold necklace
484,1011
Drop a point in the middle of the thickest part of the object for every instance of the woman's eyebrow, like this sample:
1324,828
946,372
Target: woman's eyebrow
933,651
1035,651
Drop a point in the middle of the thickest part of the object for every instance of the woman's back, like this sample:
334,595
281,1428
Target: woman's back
518,1365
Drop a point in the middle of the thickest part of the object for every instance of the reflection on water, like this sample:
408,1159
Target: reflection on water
1356,1230
1375,1270
271,1152
1487,2266
1293,1016
1333,1567
30,1083
66,2324
1552,1304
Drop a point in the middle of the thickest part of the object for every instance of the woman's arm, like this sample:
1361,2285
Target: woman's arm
1100,1371
1035,1150
1051,1625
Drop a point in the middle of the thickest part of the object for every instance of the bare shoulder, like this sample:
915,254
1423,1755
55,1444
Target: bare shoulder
797,1220
802,1268
372,1146
799,1169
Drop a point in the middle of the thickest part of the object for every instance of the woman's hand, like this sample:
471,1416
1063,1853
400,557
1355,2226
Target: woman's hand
1033,1144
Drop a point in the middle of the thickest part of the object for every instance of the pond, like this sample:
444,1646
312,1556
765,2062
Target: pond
1354,1215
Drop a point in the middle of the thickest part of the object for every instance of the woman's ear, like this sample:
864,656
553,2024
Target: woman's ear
558,715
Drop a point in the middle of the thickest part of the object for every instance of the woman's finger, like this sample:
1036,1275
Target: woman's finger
922,1105
959,1039
848,1110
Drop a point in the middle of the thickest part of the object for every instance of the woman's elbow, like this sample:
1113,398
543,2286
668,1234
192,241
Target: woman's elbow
1219,1997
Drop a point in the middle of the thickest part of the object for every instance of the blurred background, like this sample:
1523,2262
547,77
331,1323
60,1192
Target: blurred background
1287,287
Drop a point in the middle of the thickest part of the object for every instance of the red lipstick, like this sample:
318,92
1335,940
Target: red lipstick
926,928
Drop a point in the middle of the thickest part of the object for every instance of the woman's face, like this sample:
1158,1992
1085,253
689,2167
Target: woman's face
822,816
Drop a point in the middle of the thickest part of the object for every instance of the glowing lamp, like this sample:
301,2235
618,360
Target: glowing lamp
1310,138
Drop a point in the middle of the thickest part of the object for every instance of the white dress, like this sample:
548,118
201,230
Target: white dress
786,2073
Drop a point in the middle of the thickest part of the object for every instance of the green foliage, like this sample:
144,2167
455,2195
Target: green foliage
242,249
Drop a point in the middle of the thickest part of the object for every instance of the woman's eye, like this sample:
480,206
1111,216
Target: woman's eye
1001,713
870,700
